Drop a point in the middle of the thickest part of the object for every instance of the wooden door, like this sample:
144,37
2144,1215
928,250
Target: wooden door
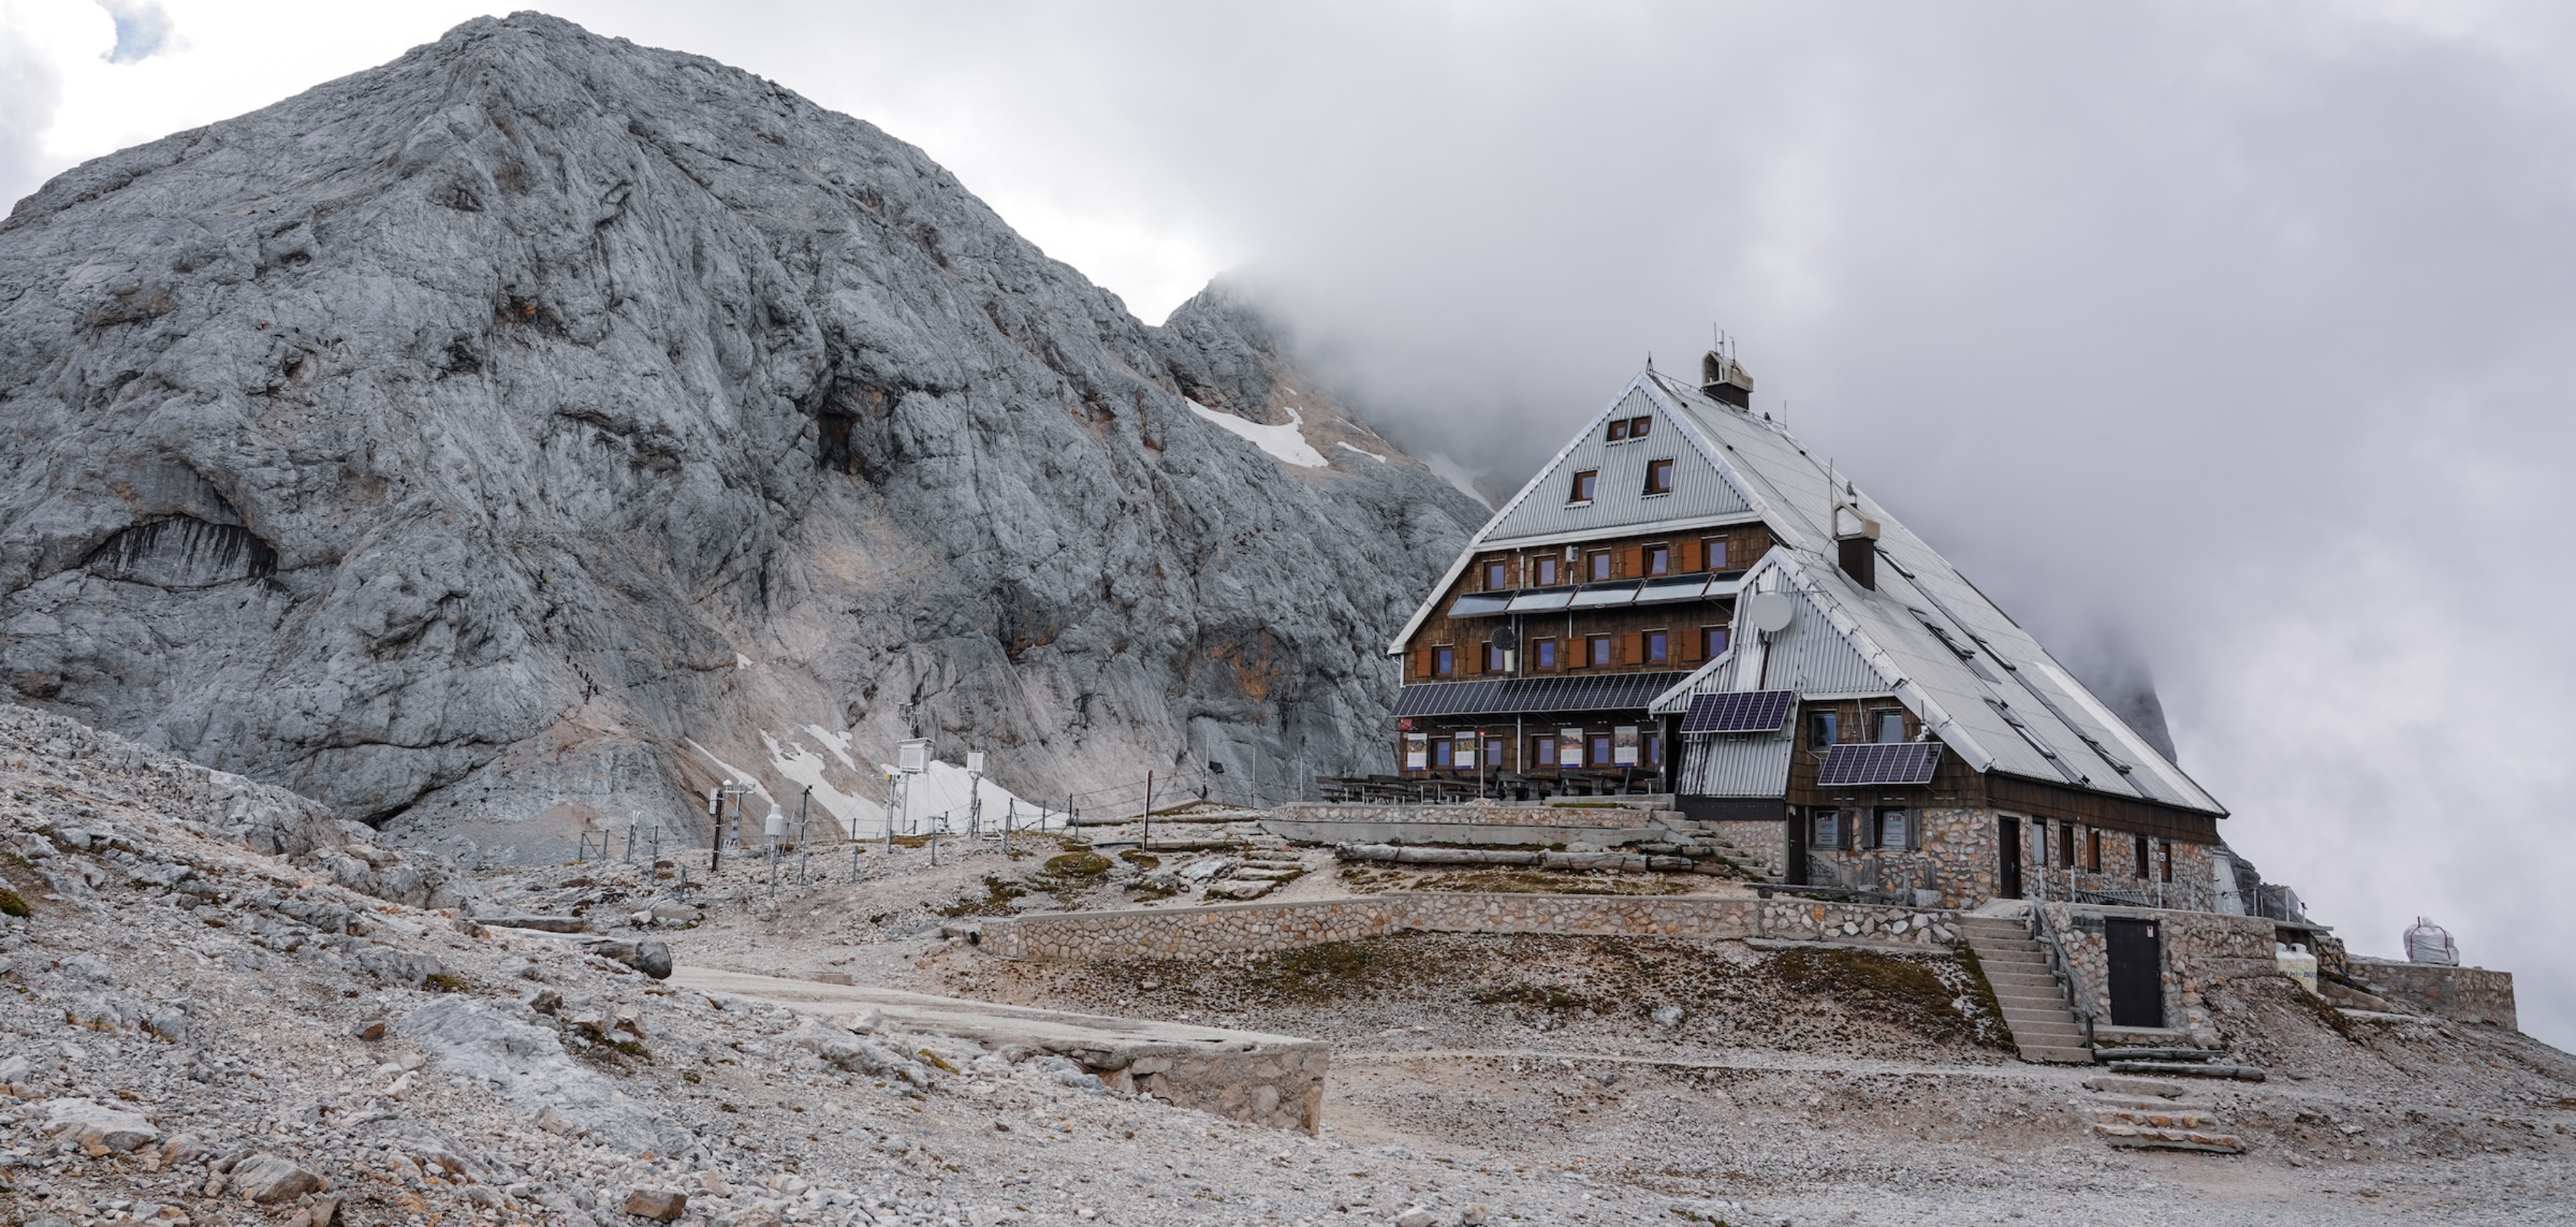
2137,982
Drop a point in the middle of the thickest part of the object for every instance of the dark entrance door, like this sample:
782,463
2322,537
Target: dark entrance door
1797,875
2008,847
2137,988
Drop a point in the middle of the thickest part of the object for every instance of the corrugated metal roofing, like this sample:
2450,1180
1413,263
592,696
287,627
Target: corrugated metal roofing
1926,633
1544,507
1714,766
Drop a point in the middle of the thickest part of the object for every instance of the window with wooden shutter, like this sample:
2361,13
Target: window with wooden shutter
1690,556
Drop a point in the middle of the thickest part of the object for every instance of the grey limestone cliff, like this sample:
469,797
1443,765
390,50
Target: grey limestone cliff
527,432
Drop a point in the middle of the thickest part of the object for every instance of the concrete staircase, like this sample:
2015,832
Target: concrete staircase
2033,1002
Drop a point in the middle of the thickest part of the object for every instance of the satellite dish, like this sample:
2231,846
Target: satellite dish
1507,639
1769,612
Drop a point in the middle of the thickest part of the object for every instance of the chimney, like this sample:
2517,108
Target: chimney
1855,540
1723,379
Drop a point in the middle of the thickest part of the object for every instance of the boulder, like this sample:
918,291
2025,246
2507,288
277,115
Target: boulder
651,958
269,1179
659,1205
97,1128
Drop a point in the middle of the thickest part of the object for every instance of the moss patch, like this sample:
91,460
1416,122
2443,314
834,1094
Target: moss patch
996,901
1896,989
1076,865
11,904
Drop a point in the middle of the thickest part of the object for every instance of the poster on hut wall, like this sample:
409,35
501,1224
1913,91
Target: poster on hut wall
1569,747
1417,751
1623,748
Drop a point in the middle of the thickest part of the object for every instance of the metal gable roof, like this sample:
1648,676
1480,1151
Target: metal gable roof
2008,705
1703,492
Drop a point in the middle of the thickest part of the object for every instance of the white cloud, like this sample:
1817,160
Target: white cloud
142,29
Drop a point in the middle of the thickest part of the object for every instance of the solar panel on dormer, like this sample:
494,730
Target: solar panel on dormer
1747,711
1900,762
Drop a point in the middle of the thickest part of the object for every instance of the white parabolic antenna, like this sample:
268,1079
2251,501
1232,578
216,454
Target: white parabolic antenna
1769,612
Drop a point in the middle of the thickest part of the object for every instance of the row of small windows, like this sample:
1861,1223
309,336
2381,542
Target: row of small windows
1826,727
1629,428
1591,651
2068,843
1549,571
1574,748
1587,484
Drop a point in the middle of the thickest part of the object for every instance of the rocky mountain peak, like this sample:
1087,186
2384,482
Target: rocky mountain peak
539,428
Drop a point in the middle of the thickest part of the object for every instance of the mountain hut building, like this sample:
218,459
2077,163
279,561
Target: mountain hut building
1686,601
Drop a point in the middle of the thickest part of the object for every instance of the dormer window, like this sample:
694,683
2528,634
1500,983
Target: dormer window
1659,477
1618,429
1638,427
1586,483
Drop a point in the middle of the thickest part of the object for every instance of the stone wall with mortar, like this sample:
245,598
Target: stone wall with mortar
2197,950
1477,812
1956,855
2461,994
1188,932
2193,886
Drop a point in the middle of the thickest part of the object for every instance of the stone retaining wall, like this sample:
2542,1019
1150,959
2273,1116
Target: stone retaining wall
1188,932
2198,950
2461,994
1485,812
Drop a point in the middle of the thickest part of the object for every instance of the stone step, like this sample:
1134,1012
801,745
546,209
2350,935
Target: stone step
2157,1118
2009,960
2170,1139
2001,953
2055,1054
2038,978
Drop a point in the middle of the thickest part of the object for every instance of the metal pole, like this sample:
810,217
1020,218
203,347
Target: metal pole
934,847
1010,815
801,802
1147,843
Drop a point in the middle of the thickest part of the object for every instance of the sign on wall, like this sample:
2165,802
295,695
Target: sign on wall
1569,747
1623,747
1417,751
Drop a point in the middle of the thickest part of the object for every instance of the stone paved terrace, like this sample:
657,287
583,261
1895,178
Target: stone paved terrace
1274,1080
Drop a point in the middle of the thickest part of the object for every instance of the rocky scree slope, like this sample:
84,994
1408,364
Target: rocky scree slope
195,1031
541,426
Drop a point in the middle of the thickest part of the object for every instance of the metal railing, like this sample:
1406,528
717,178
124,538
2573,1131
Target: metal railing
2046,935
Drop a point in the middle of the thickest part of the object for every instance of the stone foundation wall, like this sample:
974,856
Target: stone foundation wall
2198,949
1484,812
1957,856
2461,994
1194,931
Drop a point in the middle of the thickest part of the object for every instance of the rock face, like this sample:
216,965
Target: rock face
514,439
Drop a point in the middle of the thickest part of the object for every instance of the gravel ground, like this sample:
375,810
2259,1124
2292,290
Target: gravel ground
183,1032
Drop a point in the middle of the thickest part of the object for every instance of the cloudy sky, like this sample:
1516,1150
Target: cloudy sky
2232,337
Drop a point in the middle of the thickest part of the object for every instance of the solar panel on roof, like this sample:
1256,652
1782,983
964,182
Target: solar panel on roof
1748,711
1902,762
1523,695
1603,596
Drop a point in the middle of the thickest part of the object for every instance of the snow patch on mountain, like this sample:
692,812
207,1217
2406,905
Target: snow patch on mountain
1287,443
